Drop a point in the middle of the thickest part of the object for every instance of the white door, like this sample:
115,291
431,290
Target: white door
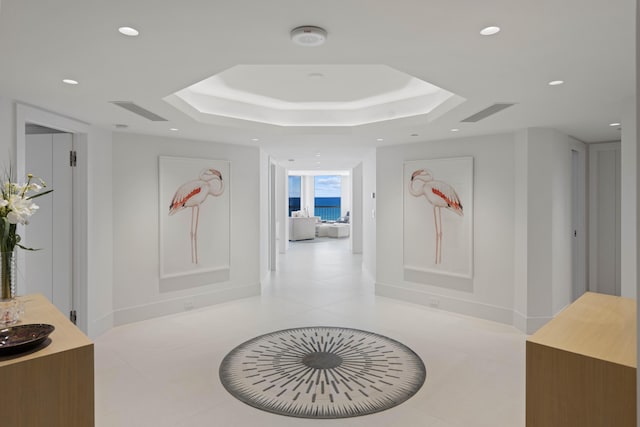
49,270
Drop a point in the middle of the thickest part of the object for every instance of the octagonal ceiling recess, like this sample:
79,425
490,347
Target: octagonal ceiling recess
312,95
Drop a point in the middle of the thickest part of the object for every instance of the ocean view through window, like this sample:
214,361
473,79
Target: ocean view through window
328,189
327,194
294,193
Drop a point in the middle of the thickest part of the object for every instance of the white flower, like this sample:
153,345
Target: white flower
3,203
33,187
20,209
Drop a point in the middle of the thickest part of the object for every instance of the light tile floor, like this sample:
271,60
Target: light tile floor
164,372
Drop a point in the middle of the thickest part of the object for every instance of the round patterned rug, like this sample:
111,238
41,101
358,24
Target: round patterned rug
322,372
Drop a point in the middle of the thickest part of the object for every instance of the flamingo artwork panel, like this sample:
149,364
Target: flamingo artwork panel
194,220
438,221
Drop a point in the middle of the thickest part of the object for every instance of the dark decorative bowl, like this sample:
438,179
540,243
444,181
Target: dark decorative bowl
20,338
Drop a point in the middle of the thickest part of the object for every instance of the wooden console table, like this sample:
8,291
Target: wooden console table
581,366
52,385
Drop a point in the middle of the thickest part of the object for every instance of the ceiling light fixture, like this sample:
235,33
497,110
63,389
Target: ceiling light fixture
174,129
255,139
455,130
556,82
308,35
489,31
70,81
128,31
380,139
614,124
414,134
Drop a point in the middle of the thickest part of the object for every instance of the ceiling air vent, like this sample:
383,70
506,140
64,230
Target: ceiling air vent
136,109
491,110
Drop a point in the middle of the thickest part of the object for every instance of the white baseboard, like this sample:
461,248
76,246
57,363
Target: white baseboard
100,326
529,325
178,305
469,308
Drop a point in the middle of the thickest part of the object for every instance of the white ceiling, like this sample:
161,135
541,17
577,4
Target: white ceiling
590,44
311,95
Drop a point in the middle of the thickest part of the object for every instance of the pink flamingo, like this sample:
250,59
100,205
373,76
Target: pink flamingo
440,195
191,195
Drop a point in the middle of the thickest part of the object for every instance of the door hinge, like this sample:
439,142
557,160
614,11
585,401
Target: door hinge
73,161
73,316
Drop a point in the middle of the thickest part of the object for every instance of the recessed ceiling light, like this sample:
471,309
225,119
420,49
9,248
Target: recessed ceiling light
556,82
315,75
454,130
255,139
121,126
292,160
380,139
489,31
414,134
317,163
70,81
308,35
614,124
128,31
174,129
317,154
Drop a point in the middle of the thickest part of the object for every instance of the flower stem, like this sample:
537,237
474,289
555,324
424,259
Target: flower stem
6,273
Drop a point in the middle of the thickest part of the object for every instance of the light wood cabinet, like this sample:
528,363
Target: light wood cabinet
50,386
581,366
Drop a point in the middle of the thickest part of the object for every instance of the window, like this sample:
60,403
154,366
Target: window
294,193
328,190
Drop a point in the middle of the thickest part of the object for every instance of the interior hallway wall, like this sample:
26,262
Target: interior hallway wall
494,224
369,236
7,132
605,234
137,293
543,244
628,202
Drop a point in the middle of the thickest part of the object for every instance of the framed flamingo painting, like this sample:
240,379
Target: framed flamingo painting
194,221
438,222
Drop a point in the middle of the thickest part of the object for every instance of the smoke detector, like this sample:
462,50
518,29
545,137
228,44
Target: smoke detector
308,35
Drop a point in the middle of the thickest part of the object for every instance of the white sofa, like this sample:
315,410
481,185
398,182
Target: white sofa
302,228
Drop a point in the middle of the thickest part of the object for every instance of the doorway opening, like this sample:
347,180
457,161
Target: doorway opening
27,115
318,206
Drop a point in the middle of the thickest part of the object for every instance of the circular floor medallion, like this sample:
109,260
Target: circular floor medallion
322,372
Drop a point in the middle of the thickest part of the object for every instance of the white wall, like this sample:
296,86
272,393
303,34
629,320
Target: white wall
264,218
7,132
369,236
135,216
604,218
493,291
282,210
356,209
522,226
628,210
100,232
544,229
521,211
